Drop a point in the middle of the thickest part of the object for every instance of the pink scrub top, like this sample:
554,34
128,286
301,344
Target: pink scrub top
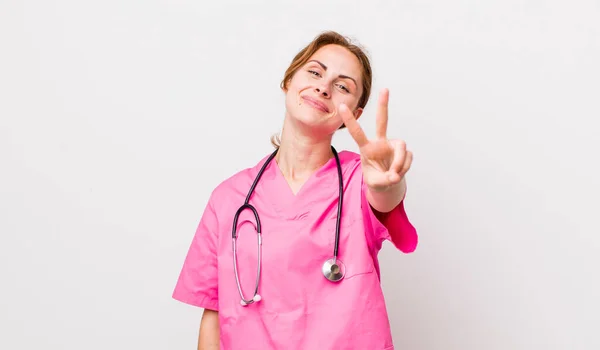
300,309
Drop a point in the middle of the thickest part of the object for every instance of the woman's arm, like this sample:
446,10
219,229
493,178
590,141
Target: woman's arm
208,339
386,200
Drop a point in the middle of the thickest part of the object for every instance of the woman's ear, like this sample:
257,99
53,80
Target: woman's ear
358,113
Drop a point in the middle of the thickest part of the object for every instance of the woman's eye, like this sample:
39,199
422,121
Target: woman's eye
344,88
313,72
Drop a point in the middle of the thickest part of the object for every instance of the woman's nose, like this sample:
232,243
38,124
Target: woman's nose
323,91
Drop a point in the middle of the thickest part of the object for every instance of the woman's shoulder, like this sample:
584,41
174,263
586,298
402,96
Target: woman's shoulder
238,183
349,158
351,164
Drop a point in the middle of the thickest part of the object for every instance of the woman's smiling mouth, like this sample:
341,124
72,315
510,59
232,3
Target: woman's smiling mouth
316,103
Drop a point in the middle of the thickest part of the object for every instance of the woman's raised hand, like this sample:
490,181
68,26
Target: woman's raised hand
384,161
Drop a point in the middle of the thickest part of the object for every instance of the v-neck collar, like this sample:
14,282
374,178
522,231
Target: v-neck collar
320,184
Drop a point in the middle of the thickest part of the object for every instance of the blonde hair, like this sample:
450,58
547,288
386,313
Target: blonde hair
327,38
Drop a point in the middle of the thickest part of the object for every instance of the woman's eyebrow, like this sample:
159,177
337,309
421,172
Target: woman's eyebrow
341,75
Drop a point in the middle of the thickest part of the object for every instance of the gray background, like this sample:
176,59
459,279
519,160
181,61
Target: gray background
117,119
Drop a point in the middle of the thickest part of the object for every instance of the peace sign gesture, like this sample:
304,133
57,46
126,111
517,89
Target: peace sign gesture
384,161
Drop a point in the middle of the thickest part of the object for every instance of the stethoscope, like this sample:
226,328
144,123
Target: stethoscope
333,269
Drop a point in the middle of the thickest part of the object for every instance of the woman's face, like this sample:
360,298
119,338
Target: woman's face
333,75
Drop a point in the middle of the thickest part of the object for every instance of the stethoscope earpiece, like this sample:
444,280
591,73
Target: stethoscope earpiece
255,299
333,269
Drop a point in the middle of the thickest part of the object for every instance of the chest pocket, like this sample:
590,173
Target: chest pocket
353,248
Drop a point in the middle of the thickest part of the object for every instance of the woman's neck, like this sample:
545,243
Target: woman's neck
299,156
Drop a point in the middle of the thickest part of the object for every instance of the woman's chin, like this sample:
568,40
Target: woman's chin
315,119
319,123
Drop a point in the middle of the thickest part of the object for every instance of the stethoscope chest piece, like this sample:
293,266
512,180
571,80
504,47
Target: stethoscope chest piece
334,270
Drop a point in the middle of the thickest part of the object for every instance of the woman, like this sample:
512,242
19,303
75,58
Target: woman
303,296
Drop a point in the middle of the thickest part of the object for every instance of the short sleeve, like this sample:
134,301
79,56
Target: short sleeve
198,280
393,226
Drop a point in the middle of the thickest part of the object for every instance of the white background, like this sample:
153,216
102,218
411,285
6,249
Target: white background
118,118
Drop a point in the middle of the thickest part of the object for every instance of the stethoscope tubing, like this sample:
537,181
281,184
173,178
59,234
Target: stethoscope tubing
247,205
